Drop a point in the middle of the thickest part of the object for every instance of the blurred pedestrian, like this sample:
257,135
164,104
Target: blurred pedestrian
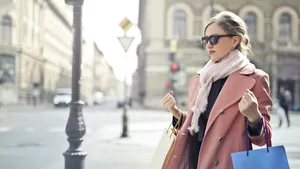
284,103
288,96
35,95
279,112
227,95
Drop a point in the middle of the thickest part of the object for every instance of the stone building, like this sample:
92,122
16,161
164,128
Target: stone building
36,52
274,33
35,42
104,76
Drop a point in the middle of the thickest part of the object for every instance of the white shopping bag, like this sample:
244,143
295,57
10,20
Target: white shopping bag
163,150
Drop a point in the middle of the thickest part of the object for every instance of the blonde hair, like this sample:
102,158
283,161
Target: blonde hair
234,25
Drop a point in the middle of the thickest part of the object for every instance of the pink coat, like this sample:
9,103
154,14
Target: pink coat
225,131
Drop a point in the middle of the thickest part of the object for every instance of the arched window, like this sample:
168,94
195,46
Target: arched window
285,27
251,22
179,24
6,29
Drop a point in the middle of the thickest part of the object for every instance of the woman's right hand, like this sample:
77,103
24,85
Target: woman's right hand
170,104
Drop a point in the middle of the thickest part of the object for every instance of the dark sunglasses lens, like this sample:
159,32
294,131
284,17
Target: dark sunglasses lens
214,39
204,40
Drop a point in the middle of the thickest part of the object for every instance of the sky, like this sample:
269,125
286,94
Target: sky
101,20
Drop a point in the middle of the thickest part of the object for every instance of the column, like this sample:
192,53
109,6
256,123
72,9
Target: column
297,92
274,70
155,23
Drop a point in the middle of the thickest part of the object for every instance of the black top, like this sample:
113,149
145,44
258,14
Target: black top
212,97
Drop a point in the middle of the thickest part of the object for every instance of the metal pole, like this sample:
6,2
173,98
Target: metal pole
274,70
173,81
124,117
173,51
75,129
212,8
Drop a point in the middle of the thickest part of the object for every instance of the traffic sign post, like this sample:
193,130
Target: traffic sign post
126,24
125,41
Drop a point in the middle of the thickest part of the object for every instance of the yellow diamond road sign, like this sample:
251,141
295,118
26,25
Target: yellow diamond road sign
126,24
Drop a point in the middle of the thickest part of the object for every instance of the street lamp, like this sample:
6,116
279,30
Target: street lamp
172,57
75,129
212,8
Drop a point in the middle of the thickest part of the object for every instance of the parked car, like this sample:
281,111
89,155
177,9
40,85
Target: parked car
62,97
98,98
296,108
120,102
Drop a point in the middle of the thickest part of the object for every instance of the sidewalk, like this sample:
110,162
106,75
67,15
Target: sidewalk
24,108
135,152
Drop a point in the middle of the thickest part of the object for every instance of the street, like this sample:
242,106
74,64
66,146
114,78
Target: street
34,138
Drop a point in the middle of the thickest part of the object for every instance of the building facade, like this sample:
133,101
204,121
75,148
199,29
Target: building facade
35,49
104,77
36,53
274,34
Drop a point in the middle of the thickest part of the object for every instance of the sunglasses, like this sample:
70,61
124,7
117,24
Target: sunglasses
213,39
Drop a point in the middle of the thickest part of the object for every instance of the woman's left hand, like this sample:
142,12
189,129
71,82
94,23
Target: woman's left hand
248,106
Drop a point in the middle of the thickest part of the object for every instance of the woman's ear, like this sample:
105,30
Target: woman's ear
236,41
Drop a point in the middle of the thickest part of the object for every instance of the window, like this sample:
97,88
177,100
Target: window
285,29
179,29
7,69
251,22
6,29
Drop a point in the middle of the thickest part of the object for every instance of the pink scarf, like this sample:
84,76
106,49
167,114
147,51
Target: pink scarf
211,72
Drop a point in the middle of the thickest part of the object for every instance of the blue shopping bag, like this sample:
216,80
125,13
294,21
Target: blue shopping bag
266,158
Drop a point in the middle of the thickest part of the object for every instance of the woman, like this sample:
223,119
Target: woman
228,94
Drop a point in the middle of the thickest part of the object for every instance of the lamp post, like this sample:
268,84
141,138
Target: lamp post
212,2
75,129
172,58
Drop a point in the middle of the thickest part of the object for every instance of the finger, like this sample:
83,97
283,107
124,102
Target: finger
169,104
171,92
173,105
243,98
247,97
168,94
252,96
168,99
244,101
250,92
164,98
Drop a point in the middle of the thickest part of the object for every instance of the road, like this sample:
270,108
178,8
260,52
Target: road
35,138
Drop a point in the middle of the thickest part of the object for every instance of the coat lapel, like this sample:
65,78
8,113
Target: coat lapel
232,91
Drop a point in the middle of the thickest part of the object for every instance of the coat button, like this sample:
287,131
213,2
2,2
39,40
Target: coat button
216,163
220,139
222,112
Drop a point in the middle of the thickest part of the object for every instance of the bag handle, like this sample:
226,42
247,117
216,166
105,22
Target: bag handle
267,138
174,130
